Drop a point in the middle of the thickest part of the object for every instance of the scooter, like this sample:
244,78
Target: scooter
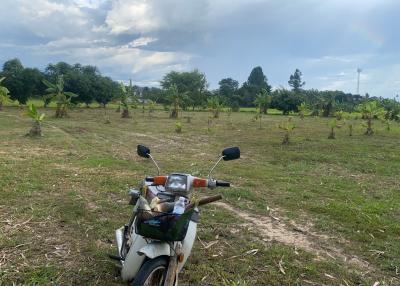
155,244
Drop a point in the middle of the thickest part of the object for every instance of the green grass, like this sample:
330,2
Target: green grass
63,195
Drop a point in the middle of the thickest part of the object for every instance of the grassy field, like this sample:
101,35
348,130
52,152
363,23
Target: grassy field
315,212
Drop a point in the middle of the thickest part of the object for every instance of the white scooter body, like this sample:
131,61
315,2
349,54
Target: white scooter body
142,248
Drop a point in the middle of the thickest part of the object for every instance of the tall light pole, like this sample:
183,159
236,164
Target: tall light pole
358,80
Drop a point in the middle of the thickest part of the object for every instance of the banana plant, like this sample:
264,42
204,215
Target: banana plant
288,127
370,110
4,94
124,102
62,98
258,118
151,105
349,122
302,110
176,99
215,106
36,130
132,98
339,115
262,101
333,124
178,127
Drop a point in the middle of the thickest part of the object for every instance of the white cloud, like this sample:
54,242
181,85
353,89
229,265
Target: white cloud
134,16
143,41
93,4
41,9
146,16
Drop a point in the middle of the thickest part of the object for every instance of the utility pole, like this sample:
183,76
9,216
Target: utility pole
358,80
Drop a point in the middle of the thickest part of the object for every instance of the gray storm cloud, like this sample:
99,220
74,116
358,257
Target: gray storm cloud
143,40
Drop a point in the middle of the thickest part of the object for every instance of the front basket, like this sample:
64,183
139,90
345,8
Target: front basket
162,226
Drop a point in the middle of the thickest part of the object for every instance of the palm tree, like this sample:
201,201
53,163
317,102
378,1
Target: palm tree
262,101
215,106
4,97
370,110
62,98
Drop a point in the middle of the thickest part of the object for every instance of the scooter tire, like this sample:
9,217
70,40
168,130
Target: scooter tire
147,269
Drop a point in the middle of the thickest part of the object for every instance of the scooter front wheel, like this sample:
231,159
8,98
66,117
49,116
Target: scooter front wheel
152,273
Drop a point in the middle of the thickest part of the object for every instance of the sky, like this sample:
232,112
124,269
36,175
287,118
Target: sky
142,40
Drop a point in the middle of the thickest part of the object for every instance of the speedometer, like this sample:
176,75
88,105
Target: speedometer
176,183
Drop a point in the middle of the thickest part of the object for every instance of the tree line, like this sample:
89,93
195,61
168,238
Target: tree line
181,90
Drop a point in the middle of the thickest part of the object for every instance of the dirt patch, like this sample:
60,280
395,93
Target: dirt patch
300,237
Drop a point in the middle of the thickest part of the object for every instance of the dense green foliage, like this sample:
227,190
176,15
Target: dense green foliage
193,84
3,94
184,91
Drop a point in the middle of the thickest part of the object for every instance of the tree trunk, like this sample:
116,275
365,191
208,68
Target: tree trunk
59,111
286,139
332,134
263,110
350,130
1,105
125,113
36,130
216,113
174,113
369,127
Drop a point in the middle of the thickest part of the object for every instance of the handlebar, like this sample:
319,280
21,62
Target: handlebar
222,184
149,179
195,182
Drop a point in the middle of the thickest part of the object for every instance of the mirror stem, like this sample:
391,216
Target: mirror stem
212,169
155,163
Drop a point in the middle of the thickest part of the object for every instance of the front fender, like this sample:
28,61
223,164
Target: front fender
155,249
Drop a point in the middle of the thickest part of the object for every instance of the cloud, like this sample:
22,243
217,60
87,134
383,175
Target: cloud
144,39
147,16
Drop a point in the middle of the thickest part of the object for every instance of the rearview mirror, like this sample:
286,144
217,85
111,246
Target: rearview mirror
143,151
231,153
